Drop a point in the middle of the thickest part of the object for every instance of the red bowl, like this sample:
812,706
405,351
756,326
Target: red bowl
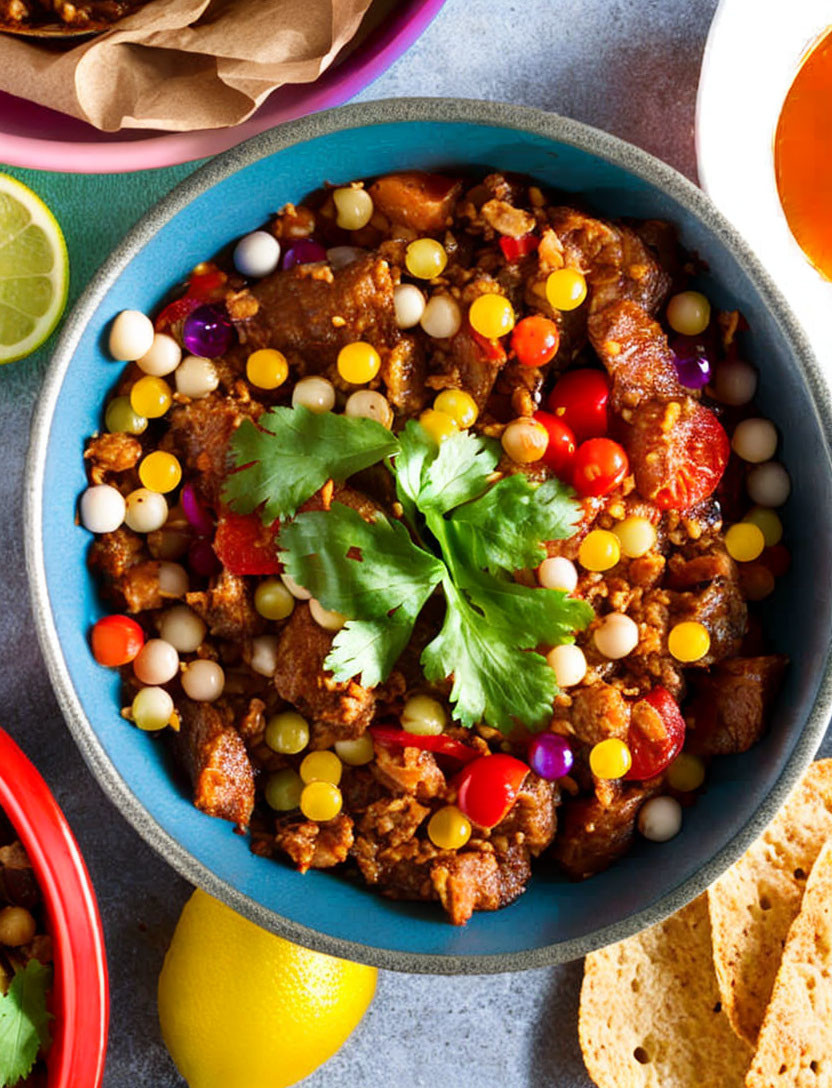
80,994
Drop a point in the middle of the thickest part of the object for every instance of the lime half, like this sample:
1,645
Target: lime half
34,271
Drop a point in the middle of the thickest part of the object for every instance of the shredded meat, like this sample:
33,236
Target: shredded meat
313,845
110,453
409,770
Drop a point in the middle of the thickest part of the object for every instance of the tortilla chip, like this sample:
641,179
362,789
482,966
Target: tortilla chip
650,1014
795,1047
755,902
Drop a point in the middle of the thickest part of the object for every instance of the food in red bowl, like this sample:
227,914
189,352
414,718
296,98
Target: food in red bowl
46,897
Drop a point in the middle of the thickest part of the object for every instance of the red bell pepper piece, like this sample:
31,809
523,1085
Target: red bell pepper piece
515,248
488,788
652,753
244,545
439,744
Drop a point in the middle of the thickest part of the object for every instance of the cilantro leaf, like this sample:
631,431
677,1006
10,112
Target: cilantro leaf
493,680
505,528
292,452
365,569
24,1022
460,472
371,647
417,451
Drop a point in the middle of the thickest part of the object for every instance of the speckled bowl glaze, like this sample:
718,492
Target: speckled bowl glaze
555,920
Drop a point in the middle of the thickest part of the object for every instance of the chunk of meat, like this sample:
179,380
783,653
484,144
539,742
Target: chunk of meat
591,835
409,770
302,680
111,554
599,711
532,819
18,885
139,587
616,262
109,453
130,580
215,758
678,452
313,845
297,310
401,871
466,365
423,202
634,349
732,703
392,820
227,607
721,609
403,373
199,433
479,880
507,220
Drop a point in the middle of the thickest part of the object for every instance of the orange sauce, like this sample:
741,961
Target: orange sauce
803,156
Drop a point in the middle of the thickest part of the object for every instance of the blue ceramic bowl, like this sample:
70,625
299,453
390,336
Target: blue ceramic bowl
555,920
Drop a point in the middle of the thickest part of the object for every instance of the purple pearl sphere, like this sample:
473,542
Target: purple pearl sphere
550,756
303,251
202,559
195,513
693,367
208,332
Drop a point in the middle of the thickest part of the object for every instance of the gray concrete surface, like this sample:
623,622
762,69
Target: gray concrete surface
629,66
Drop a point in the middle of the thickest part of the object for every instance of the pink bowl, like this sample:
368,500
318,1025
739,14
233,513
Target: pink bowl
42,139
80,995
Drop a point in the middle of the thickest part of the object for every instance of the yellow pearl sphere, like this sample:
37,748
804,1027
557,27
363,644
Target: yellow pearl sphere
525,440
686,773
599,550
283,790
689,313
320,801
267,368
610,758
565,289
744,541
150,397
449,829
636,536
425,258
160,471
491,316
353,207
438,425
689,641
321,767
768,523
358,362
459,405
287,733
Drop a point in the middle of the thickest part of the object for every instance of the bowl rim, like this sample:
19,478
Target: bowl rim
449,110
81,990
112,154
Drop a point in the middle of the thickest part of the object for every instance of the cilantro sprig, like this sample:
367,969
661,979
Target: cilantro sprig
24,1022
465,529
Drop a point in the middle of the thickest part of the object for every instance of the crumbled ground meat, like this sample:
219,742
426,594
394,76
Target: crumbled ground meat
111,453
227,607
313,845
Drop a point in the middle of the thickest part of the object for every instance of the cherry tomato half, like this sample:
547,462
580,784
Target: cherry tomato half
657,734
561,449
679,452
598,467
116,640
208,283
244,545
580,399
515,248
535,340
488,788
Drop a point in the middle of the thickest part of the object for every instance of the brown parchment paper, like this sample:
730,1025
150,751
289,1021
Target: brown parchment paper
182,64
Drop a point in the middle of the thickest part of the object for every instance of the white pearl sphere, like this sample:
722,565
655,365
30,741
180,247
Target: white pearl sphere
735,382
131,336
102,509
163,358
203,681
157,662
569,665
368,404
146,511
316,394
423,715
353,207
196,377
257,255
755,440
442,317
768,484
409,303
341,256
616,637
326,618
298,592
173,579
183,629
660,819
556,572
264,654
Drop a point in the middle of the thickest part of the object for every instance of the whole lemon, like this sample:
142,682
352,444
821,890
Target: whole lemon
241,1008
